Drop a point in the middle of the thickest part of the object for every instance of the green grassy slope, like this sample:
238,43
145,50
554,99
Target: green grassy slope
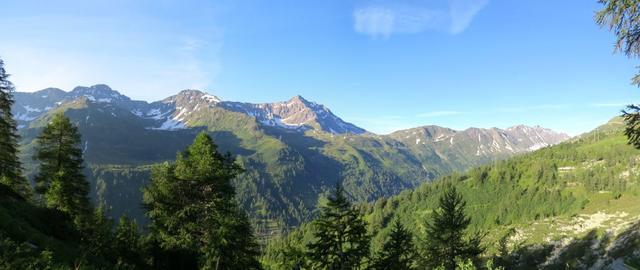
26,231
572,204
285,171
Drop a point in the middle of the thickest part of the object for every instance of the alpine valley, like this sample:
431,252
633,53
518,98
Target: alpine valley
292,152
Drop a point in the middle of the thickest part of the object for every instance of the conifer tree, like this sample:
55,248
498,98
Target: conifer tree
397,251
60,179
10,167
192,208
127,244
622,17
446,233
341,236
97,236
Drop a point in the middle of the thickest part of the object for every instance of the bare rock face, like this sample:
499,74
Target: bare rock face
295,114
292,150
537,137
482,142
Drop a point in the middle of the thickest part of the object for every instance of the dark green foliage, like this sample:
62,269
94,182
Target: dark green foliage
632,118
97,239
30,236
24,256
127,244
622,17
447,239
192,209
289,251
284,171
341,236
35,237
60,177
398,252
10,166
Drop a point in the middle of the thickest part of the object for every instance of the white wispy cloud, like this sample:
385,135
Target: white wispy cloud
439,113
379,21
374,21
383,20
462,13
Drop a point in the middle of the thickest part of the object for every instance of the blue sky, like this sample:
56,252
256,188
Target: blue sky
383,65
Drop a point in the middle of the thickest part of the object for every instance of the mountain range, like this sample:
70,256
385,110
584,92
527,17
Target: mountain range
292,151
569,206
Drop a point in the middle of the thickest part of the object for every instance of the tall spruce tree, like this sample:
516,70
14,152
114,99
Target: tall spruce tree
447,240
127,245
60,179
398,251
622,17
192,209
10,167
341,236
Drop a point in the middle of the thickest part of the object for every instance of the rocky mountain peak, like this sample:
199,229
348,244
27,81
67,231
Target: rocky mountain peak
50,93
98,92
298,99
483,142
193,96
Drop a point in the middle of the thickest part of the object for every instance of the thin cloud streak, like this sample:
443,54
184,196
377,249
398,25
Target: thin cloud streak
462,13
384,20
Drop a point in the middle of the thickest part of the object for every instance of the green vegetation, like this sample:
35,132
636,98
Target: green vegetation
338,239
590,174
195,222
285,172
60,179
192,210
531,204
341,240
398,251
570,206
622,17
445,234
10,166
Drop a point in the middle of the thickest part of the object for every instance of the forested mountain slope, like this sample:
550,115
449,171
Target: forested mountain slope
572,205
292,151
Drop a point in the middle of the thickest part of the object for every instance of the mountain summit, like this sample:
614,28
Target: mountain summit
291,151
181,110
295,114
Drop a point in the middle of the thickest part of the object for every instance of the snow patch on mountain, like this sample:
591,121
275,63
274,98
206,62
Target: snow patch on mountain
156,114
211,98
31,109
171,124
24,117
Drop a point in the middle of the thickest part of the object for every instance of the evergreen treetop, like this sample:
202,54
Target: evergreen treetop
397,252
446,232
622,17
10,166
193,211
341,236
60,179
